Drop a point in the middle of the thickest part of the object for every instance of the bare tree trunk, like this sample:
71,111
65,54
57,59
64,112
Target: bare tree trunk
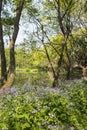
47,54
2,51
15,33
55,82
84,71
52,68
12,45
68,64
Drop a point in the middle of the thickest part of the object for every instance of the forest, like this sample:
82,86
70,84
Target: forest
43,64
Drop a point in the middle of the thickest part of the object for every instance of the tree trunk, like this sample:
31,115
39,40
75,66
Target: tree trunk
12,46
69,63
12,58
68,72
56,77
9,81
66,30
2,51
48,57
84,71
3,66
14,37
55,82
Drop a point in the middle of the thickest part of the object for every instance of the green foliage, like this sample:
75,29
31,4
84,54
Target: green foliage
32,56
32,76
85,7
80,49
29,108
9,21
84,81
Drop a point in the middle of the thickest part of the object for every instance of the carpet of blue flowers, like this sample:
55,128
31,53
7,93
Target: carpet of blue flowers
27,107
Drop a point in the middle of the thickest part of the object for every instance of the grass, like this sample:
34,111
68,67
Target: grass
33,78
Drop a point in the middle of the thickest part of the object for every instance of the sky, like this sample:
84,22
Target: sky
21,34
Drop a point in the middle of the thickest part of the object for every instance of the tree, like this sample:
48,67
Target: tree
61,12
80,53
18,11
65,24
2,51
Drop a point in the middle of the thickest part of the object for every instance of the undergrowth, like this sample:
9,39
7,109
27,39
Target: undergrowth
36,108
